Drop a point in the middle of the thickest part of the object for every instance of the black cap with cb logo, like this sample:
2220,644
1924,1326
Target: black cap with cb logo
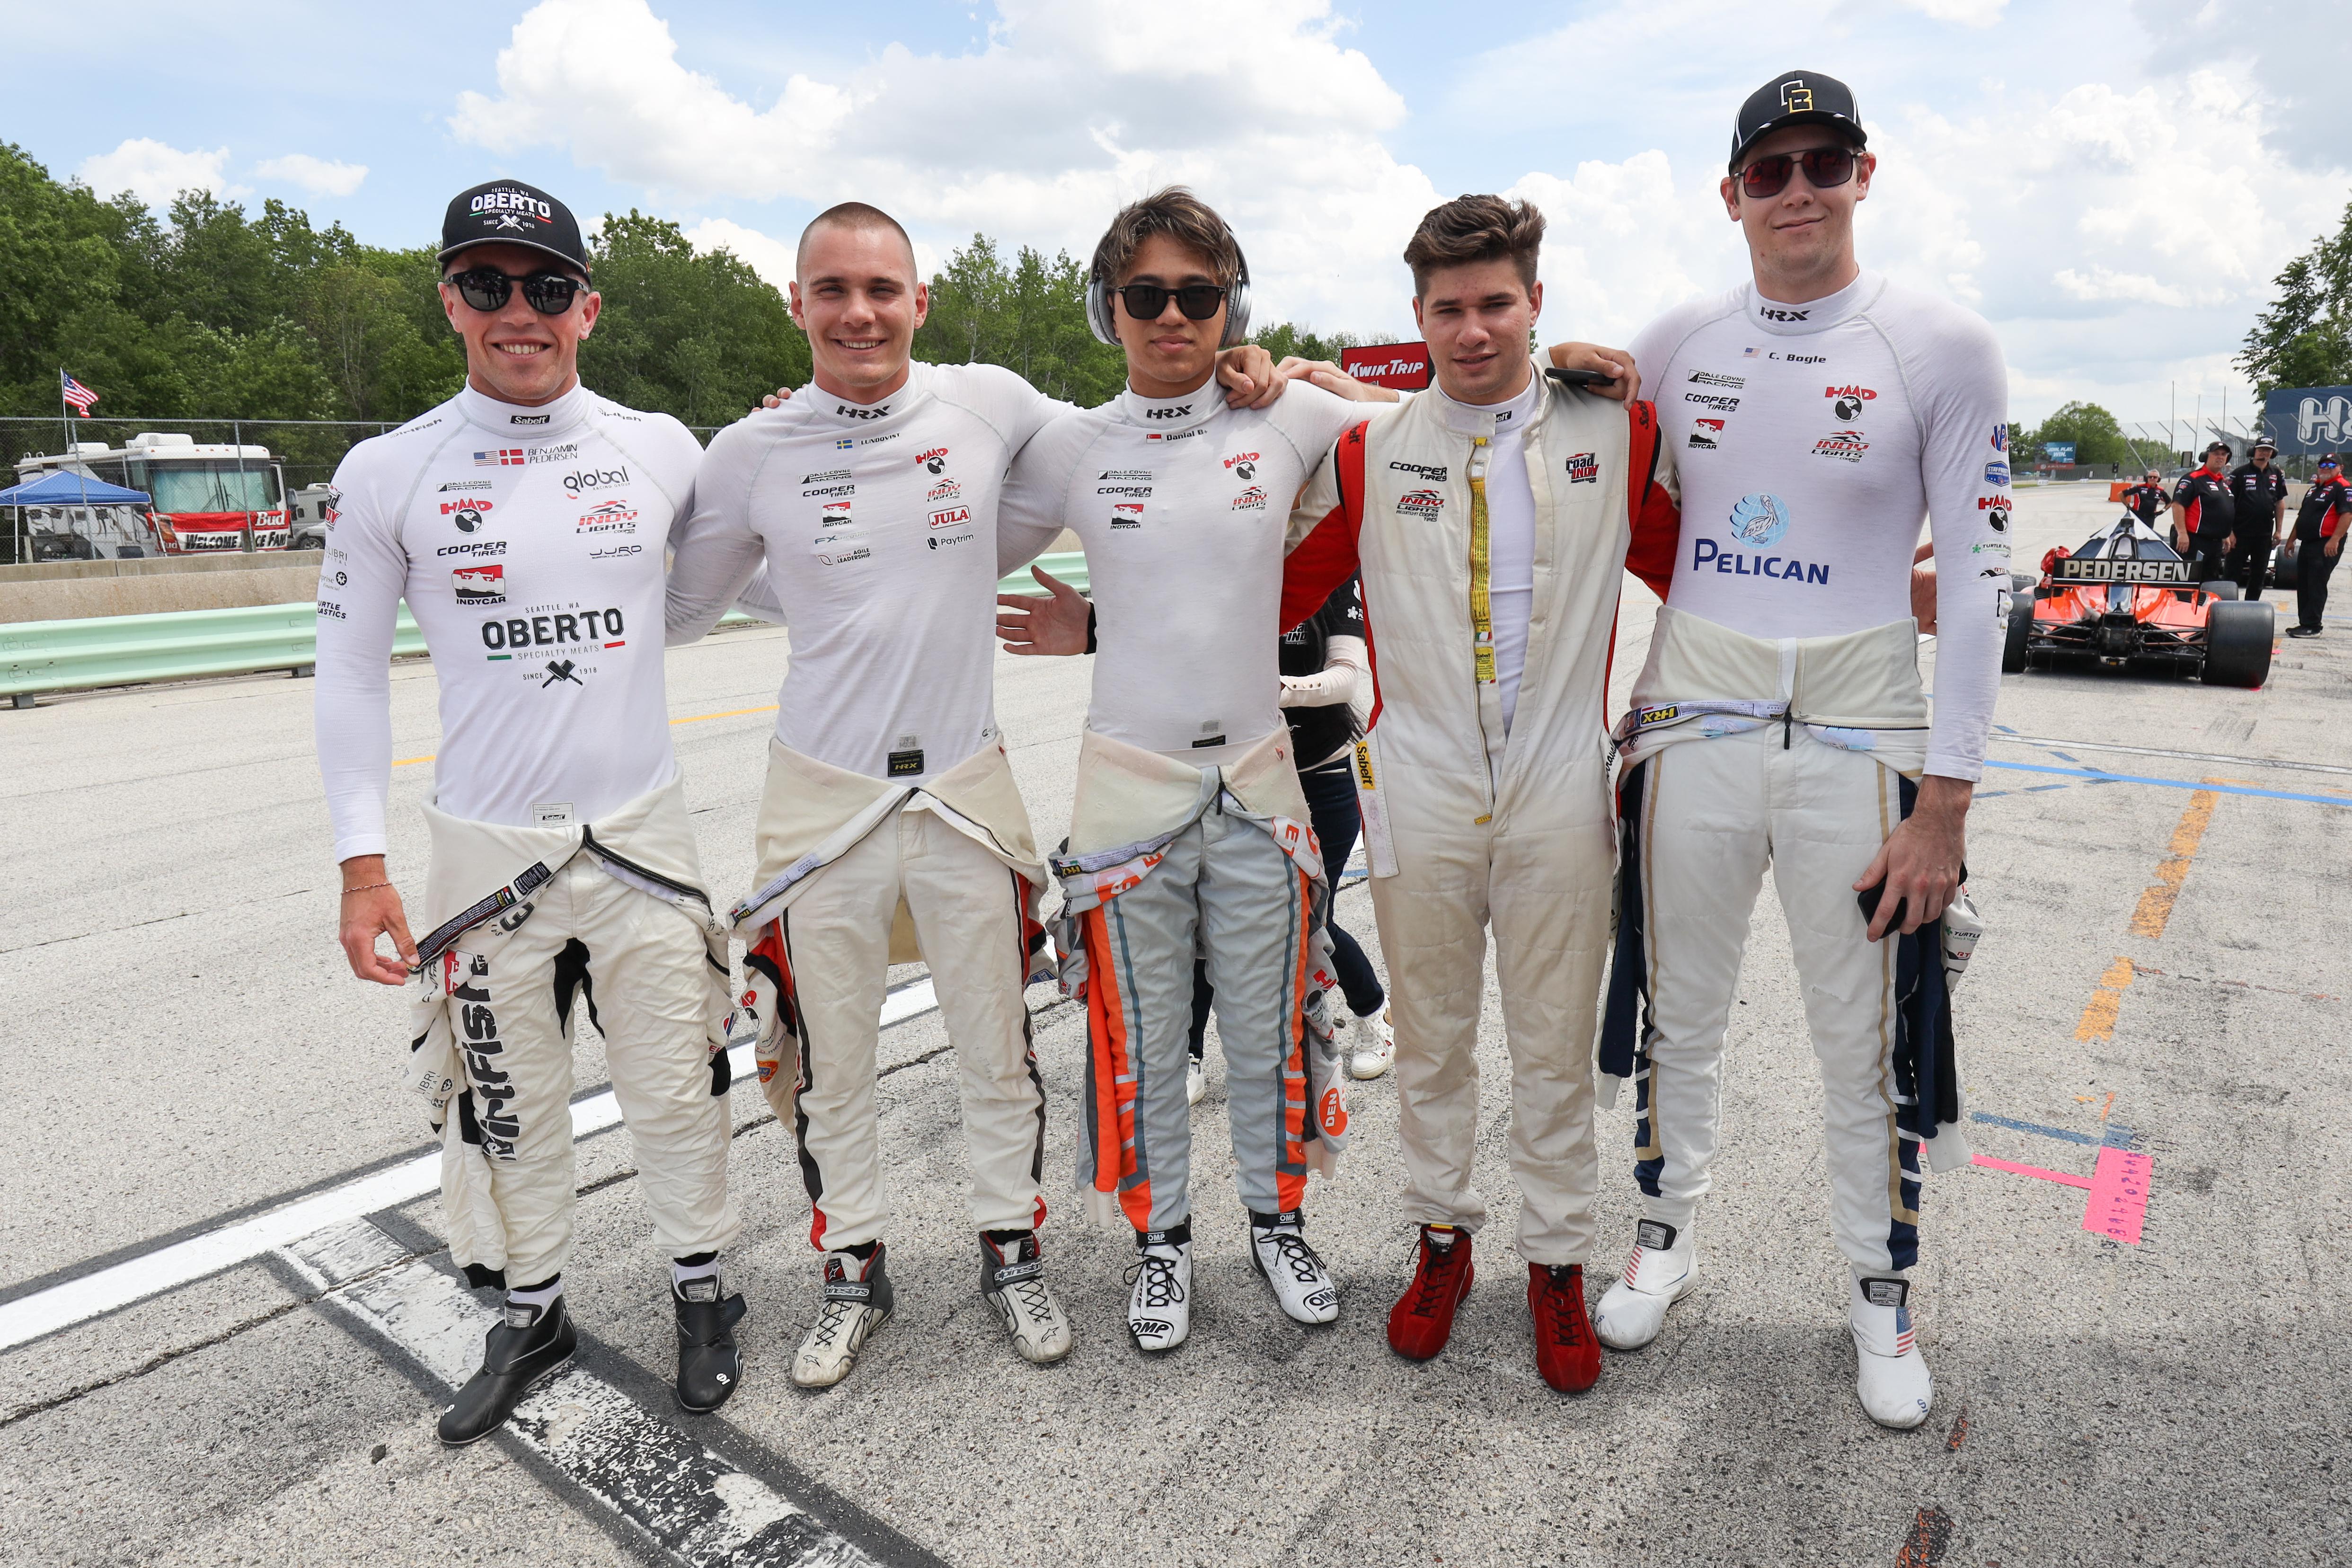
1794,98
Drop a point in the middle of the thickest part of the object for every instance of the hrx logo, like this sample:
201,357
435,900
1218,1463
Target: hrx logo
1175,411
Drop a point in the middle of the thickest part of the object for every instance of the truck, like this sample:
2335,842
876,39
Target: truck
205,497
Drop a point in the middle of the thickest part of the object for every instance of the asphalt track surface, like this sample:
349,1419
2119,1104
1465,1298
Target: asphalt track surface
2159,1007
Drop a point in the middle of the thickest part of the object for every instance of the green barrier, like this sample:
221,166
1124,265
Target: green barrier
126,650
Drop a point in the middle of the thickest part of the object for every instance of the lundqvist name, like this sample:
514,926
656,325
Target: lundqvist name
1705,552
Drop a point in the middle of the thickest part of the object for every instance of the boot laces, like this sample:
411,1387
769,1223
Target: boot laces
1160,1286
1562,1285
830,1322
1035,1302
1432,1279
1300,1259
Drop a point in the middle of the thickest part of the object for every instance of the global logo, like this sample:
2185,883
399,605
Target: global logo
1759,520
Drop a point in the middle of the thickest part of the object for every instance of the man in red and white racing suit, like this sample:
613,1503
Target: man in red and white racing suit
1491,519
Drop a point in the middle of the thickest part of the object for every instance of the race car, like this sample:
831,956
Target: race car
2125,594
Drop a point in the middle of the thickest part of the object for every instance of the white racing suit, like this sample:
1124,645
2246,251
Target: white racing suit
857,874
608,916
1466,828
1801,753
1166,859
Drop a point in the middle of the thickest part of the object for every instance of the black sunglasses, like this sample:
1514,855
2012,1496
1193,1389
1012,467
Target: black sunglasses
1826,167
1198,302
485,289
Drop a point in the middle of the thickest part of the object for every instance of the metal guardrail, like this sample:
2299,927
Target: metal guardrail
187,645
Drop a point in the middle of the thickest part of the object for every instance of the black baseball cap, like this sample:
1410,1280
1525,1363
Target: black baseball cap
2262,444
2220,446
1795,98
507,212
2326,460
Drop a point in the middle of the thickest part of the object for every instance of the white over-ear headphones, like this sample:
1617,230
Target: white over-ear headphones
1238,305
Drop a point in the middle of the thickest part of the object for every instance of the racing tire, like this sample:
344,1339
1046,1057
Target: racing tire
2015,651
2283,566
2019,583
2222,588
2238,641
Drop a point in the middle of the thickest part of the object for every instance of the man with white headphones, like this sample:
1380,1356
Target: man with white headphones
1190,831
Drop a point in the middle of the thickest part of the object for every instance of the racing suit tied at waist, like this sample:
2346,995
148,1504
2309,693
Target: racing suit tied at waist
1858,692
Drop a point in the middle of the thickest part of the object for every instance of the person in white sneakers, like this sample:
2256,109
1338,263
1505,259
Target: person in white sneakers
1189,831
1822,413
524,522
890,828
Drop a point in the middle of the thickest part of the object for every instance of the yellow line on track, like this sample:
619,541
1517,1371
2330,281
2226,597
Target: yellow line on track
2155,910
689,719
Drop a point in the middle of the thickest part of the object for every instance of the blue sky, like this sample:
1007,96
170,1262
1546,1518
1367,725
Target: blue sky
2112,183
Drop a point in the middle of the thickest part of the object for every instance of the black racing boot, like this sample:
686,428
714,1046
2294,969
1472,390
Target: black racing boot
528,1345
709,1365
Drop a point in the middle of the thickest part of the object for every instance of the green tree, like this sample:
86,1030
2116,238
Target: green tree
2304,339
1030,318
2098,437
698,335
1286,339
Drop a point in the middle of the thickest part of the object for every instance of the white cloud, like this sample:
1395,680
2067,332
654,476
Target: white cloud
155,172
2105,284
314,175
771,258
1967,13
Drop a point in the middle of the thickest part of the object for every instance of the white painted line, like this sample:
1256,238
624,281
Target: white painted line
183,1262
2186,756
696,1506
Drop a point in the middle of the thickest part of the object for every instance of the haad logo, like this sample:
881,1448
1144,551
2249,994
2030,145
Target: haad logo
935,459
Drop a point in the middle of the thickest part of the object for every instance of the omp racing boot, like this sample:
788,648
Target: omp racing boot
1373,1049
1662,1270
1012,1280
855,1302
1422,1320
710,1367
1893,1380
1301,1284
1566,1353
530,1345
1159,1307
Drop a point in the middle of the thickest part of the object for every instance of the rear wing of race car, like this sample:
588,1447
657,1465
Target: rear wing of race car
2079,569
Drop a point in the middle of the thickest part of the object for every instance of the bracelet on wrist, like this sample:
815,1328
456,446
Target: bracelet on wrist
370,888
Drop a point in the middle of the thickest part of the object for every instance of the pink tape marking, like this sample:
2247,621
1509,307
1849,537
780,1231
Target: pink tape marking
2058,1177
2118,1195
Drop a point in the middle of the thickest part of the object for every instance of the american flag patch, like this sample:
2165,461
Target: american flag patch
500,457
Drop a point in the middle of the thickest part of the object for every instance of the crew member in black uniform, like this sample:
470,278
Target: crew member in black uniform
2319,528
2147,498
2258,504
2202,515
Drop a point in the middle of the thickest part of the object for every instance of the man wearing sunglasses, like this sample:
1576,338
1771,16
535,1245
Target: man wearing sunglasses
1189,831
2257,503
1780,720
2320,529
524,522
2146,500
890,828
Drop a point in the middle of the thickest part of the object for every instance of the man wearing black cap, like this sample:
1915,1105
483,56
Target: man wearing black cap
2257,502
1827,411
2204,514
2319,528
524,522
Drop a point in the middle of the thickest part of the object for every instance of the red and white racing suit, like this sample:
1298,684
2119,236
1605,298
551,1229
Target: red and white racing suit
1473,819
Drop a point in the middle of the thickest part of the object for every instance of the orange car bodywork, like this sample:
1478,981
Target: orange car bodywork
2121,620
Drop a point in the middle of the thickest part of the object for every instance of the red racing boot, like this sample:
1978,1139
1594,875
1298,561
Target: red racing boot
1566,1353
1422,1320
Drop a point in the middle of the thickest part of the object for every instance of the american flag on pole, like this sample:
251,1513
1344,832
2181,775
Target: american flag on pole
81,396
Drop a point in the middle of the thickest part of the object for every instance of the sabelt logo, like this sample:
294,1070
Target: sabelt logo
1435,476
529,418
953,517
935,459
449,506
1420,503
595,479
1126,514
479,585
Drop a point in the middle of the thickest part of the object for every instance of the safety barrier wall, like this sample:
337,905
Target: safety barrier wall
127,651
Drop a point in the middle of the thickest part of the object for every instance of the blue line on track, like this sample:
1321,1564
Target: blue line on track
2173,784
2116,1136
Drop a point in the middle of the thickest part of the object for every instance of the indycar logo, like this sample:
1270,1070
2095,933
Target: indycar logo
934,460
953,517
1243,465
500,458
1705,432
1584,469
834,515
612,517
1424,504
479,585
1759,520
1127,514
1845,446
1250,499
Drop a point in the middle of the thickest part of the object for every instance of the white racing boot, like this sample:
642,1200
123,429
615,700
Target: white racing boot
1196,1079
1662,1270
856,1301
1301,1284
1371,1050
1159,1308
1013,1280
1893,1382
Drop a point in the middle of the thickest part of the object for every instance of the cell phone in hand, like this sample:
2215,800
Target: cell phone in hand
1868,900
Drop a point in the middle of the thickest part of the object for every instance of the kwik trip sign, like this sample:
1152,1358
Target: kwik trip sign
1404,366
2307,419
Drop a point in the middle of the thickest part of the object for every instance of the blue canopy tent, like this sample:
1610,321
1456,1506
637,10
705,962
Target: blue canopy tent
65,488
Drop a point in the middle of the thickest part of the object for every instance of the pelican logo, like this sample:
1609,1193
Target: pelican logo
1796,98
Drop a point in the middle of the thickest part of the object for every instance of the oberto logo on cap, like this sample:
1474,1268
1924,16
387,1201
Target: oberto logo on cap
506,200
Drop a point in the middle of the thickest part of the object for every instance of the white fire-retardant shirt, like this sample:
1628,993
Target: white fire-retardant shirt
528,542
1812,439
877,523
1181,503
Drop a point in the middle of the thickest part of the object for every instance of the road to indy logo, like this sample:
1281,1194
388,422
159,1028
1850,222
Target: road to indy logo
1759,520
